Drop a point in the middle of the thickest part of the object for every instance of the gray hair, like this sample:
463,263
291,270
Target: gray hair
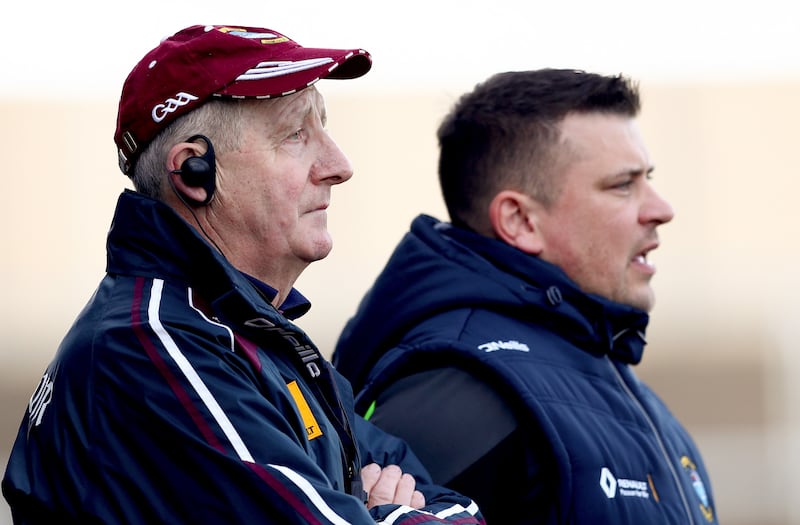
219,119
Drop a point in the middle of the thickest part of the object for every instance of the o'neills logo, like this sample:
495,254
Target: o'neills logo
494,346
623,487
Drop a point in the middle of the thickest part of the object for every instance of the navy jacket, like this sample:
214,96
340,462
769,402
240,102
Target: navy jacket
590,441
180,395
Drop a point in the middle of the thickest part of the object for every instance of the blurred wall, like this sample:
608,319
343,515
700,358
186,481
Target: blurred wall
722,336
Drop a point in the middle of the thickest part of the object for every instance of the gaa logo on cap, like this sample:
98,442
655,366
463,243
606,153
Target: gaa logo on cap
161,111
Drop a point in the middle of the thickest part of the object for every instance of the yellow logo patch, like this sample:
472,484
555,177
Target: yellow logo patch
312,428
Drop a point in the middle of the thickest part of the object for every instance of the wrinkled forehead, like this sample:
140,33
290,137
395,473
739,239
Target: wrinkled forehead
275,118
294,108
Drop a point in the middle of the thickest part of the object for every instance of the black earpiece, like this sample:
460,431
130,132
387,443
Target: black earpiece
200,171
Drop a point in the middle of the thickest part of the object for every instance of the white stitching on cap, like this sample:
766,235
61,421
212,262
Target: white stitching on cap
281,68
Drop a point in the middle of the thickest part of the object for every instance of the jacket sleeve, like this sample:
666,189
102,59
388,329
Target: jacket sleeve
442,505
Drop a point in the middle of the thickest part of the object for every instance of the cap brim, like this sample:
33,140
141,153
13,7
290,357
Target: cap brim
298,69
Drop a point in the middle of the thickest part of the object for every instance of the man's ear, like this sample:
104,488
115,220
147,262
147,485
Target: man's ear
514,220
175,159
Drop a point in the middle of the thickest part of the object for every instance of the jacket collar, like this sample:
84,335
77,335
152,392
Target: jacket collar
590,320
148,238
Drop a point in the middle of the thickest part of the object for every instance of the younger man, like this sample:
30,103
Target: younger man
501,344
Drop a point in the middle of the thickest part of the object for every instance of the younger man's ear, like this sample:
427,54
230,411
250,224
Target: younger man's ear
514,220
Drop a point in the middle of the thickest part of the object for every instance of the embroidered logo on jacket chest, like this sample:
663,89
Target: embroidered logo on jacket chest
699,487
493,346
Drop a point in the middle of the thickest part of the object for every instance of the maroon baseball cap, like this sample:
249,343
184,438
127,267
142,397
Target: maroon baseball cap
201,62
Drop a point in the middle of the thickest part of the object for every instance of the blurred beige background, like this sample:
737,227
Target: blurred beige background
724,334
721,91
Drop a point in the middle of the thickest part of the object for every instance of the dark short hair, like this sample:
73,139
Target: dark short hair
499,135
